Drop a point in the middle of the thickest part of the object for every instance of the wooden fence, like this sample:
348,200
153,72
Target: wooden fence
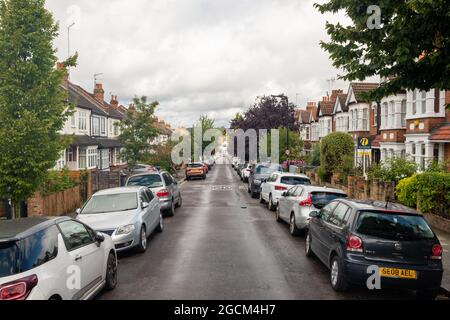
57,204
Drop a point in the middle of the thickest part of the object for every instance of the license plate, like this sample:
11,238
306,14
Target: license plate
398,273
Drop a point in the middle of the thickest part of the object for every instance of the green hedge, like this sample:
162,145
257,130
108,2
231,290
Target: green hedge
336,155
429,192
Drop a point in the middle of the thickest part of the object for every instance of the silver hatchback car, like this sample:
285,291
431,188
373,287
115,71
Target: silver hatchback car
295,205
129,215
163,185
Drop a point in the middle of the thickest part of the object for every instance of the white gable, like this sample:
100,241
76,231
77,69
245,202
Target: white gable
351,96
337,106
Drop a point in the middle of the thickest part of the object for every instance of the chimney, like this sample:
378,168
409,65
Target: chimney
99,93
312,108
132,108
60,66
335,94
114,102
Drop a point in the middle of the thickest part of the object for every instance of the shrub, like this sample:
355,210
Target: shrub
57,181
336,154
394,169
314,159
429,191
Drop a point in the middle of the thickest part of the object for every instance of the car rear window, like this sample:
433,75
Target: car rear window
149,181
195,165
393,226
28,253
322,198
293,181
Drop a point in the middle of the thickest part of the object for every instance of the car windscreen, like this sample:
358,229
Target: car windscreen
111,203
393,226
195,165
321,198
295,180
149,181
267,169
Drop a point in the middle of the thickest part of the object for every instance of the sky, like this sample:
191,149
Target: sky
198,57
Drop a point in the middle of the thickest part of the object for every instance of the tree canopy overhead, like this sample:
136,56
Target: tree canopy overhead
411,42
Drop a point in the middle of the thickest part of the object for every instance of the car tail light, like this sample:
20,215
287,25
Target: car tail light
354,243
19,289
164,193
436,252
280,188
307,202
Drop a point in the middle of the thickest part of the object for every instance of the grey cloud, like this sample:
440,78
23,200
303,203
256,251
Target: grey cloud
199,56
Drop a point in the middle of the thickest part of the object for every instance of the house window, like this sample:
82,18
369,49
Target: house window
92,158
104,158
391,115
95,126
82,158
424,102
375,115
82,121
118,157
116,129
414,104
103,126
404,113
70,155
385,115
111,127
73,120
365,119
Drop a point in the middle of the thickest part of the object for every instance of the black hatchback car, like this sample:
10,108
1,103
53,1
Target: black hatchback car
350,236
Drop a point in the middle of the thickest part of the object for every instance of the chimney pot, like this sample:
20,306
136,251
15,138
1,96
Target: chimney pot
99,93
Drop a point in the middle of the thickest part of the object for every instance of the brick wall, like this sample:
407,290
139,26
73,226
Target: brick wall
399,135
428,125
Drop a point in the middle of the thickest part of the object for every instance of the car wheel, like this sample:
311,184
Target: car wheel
142,246
204,177
308,251
271,206
160,227
278,218
429,294
171,210
336,277
261,200
111,272
294,231
252,193
180,201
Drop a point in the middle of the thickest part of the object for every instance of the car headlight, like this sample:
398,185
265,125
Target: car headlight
129,228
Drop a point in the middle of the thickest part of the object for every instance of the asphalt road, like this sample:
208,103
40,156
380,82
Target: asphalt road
224,245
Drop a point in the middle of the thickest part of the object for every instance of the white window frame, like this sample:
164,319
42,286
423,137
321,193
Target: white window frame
82,120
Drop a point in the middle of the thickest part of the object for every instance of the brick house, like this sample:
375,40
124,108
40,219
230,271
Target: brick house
340,114
427,126
363,118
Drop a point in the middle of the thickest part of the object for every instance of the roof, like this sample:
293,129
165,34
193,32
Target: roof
342,98
109,143
120,190
20,228
326,108
83,140
378,205
304,116
441,133
82,99
311,188
361,88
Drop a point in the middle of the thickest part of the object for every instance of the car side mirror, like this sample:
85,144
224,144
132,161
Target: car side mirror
78,211
99,238
314,214
284,194
145,205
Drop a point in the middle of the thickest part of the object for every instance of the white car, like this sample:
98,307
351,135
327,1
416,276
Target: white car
54,259
245,173
279,182
128,214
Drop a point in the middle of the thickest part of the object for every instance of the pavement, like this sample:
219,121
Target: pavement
445,242
223,245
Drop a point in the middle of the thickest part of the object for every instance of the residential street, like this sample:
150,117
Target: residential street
224,245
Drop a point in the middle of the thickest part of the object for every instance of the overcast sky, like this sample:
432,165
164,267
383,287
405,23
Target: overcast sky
198,56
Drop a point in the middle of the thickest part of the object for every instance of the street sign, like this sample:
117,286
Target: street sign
364,143
364,153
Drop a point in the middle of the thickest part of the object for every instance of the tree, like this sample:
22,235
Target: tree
162,157
394,169
336,154
205,123
410,44
32,105
138,130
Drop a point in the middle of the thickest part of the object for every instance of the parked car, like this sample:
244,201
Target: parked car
276,184
297,203
142,168
38,255
163,185
195,170
260,172
128,214
245,172
205,166
349,236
